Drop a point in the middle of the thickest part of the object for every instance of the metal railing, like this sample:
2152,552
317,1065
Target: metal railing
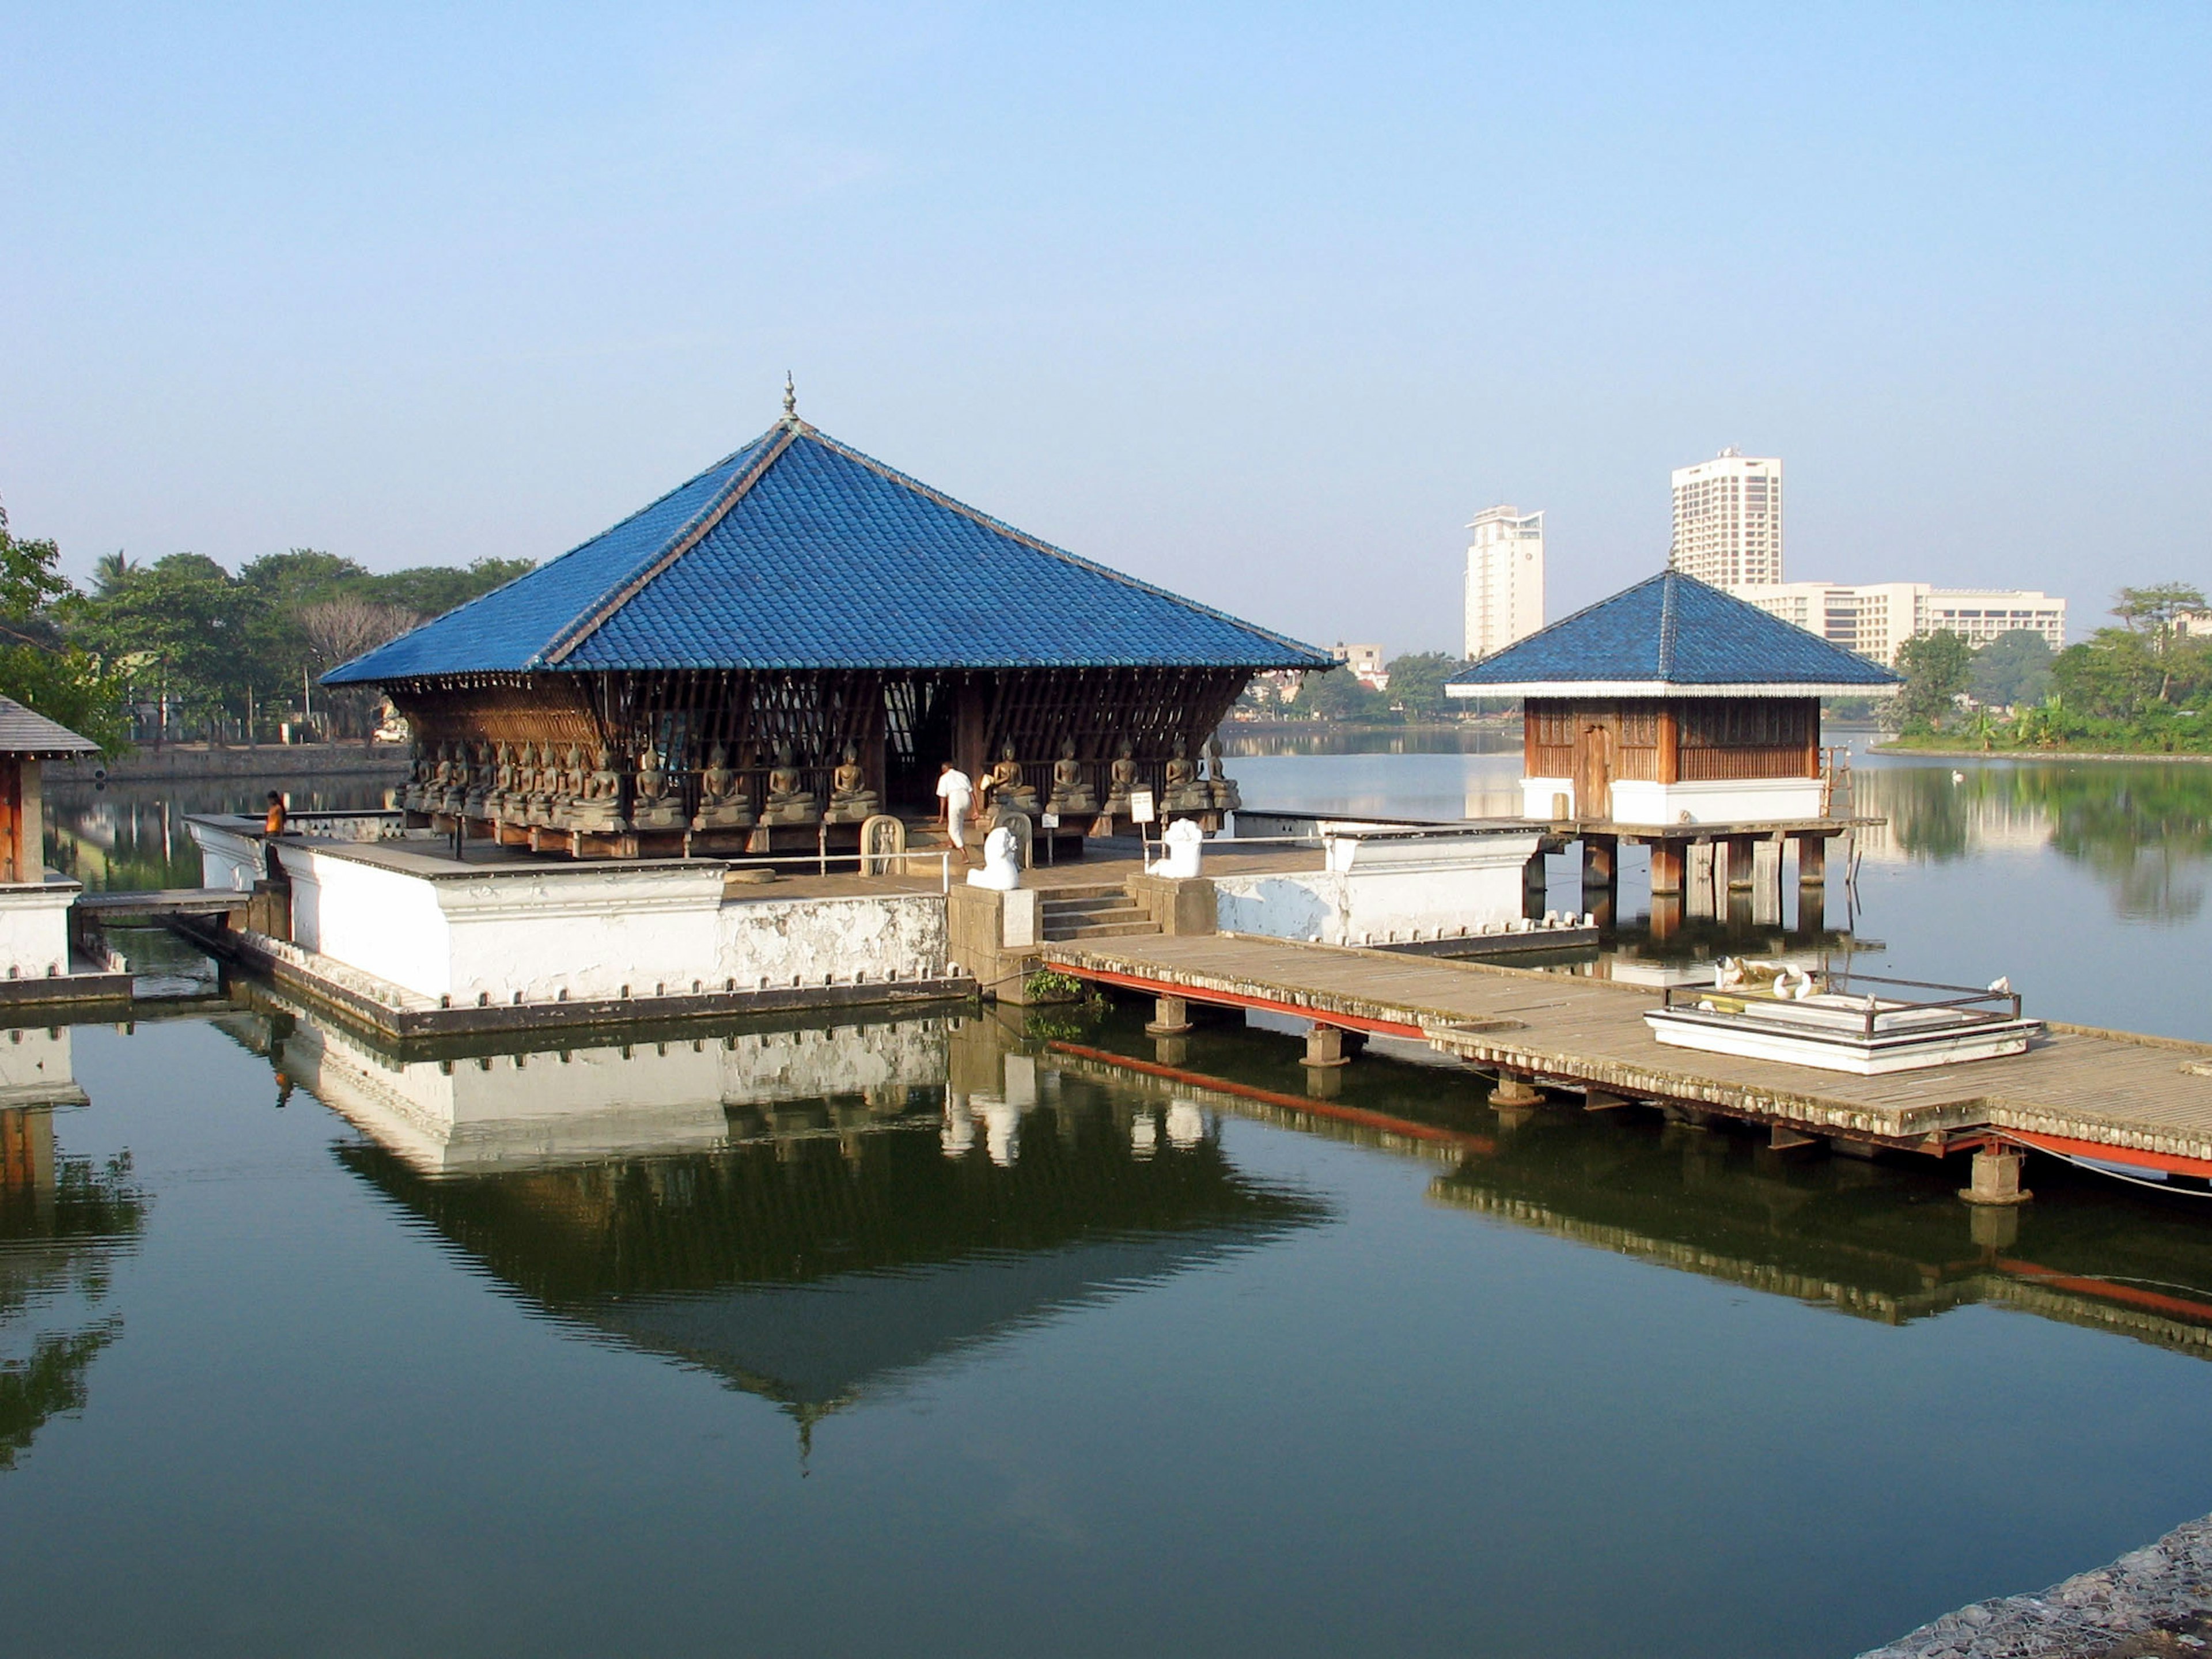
1973,1007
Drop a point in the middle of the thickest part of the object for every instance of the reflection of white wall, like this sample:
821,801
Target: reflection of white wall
1377,888
35,1068
524,1109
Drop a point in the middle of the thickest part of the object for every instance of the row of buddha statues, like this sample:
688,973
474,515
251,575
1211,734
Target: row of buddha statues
590,789
539,784
1003,790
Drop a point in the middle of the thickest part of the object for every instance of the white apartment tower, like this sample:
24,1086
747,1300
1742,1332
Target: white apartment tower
1728,521
1504,579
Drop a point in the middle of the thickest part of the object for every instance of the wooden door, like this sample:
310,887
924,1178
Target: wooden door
11,826
1594,772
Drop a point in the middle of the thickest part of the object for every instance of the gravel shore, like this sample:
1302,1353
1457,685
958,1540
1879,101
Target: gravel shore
2157,1600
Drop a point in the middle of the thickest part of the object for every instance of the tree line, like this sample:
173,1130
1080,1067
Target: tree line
2144,686
180,649
1416,693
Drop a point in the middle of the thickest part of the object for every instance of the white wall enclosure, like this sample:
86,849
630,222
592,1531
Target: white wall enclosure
1380,887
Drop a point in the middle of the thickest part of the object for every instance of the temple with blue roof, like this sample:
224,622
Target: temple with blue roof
1673,712
800,636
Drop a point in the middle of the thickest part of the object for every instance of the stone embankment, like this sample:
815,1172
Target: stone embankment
2156,1601
198,761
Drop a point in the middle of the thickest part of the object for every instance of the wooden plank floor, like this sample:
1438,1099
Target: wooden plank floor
2109,1089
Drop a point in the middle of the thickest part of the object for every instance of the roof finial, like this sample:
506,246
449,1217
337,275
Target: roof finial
790,398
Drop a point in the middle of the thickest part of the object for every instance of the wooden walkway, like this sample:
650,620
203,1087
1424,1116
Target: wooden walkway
2086,1092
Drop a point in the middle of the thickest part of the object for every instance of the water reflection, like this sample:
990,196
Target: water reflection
808,1213
2145,830
63,1222
131,837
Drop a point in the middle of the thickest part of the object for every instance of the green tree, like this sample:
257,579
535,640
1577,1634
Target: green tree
432,590
184,632
2155,612
1417,683
1936,668
38,668
2012,670
1338,694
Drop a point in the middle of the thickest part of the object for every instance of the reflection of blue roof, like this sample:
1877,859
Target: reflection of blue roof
797,552
1672,631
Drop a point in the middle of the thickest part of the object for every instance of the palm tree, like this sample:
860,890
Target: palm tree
111,570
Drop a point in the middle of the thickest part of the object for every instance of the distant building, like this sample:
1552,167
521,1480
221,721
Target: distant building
1728,521
1875,619
1504,579
1365,662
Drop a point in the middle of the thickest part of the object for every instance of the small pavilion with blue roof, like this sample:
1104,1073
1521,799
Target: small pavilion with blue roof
1679,711
800,634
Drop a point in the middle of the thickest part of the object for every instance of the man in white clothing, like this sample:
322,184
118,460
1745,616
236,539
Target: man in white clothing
955,790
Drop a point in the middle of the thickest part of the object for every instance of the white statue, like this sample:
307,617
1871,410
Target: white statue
1002,863
1182,841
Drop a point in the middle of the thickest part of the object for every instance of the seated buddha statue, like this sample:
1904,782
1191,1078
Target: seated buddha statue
1227,798
1182,792
788,801
1004,790
1121,783
1072,795
653,804
596,807
545,783
851,800
503,780
418,779
724,803
457,781
480,773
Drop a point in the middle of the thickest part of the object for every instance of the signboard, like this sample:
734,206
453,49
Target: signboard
1140,806
1048,820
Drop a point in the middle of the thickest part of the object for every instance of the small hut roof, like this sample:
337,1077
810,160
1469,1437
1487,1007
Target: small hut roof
1673,636
24,732
797,552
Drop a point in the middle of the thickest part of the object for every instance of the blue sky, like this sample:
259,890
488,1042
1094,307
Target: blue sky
1262,303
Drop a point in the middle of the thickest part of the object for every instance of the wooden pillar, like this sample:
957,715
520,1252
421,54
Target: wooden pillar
1812,860
1742,850
1599,856
1670,749
13,865
969,736
1666,872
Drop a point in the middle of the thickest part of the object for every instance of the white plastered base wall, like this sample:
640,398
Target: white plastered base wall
35,927
1376,892
1734,801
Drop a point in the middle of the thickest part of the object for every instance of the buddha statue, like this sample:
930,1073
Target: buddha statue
1004,789
724,803
418,779
851,800
479,787
503,780
1120,784
457,781
1226,797
654,804
788,801
596,808
544,784
1182,792
1071,796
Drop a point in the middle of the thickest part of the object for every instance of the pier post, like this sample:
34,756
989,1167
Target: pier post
1535,885
1997,1178
1514,1092
1666,862
1742,851
1599,856
1325,1048
1170,1018
1698,878
1812,860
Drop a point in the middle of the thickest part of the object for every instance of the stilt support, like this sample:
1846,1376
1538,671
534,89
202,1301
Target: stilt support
1170,1018
1668,858
1812,860
1598,1100
1783,1139
1599,856
1742,851
1514,1092
1997,1178
1325,1048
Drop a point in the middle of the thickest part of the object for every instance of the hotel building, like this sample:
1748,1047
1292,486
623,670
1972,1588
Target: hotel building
1728,521
1504,579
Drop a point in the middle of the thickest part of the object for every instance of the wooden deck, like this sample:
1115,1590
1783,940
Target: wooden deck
2090,1093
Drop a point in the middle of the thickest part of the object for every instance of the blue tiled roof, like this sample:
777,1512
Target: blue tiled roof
1674,629
797,552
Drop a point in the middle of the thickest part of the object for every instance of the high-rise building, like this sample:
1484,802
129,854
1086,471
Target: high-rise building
1728,521
1504,579
1875,618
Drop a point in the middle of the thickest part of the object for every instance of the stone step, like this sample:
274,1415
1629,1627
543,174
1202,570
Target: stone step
1054,905
1120,918
1079,892
1062,934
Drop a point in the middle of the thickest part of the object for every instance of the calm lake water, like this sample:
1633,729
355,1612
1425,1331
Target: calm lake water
950,1336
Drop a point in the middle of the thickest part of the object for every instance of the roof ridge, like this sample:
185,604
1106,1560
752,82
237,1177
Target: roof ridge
1667,622
952,503
558,648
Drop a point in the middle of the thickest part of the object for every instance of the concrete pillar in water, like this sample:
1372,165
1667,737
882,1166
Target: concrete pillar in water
1170,1018
1766,883
1698,878
1514,1090
1997,1178
1325,1048
1668,858
1742,851
1812,860
1535,887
